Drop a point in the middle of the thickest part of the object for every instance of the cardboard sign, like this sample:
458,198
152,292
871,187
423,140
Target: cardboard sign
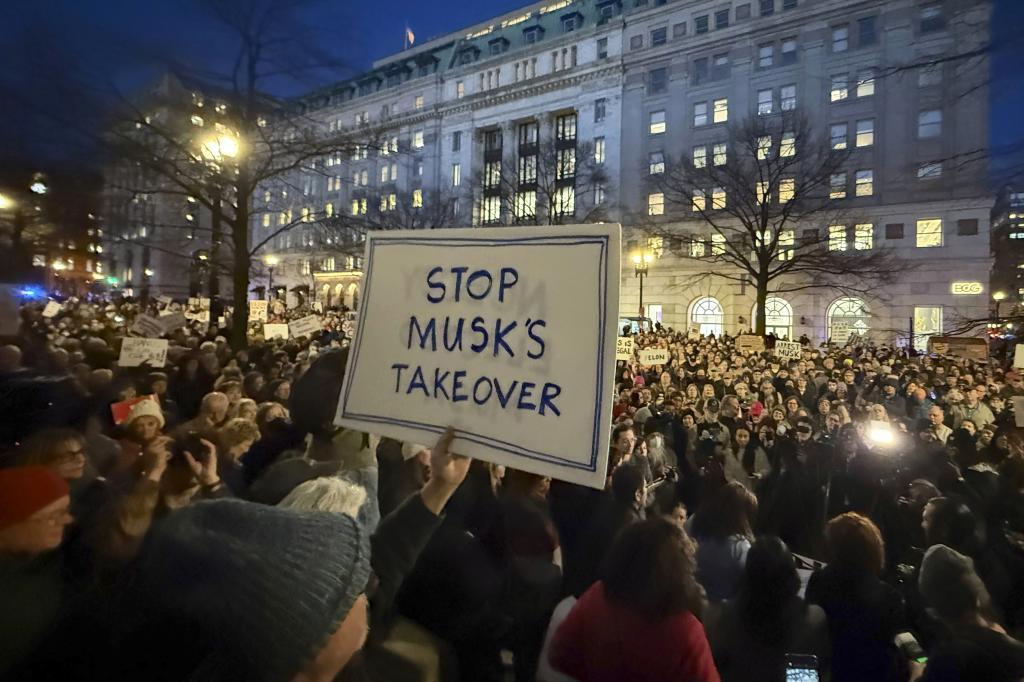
970,347
841,330
257,311
750,343
275,331
693,335
193,302
166,300
204,304
172,321
1018,410
653,356
318,306
120,411
1018,355
789,350
306,326
51,309
505,334
624,348
136,352
146,325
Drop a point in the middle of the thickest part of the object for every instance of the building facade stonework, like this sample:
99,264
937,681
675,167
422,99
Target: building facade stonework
611,85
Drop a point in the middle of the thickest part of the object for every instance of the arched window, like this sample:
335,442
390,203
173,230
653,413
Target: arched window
706,315
778,316
846,316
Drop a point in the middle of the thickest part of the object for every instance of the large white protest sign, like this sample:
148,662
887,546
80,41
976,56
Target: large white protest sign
146,325
653,356
789,350
257,311
136,352
51,309
1018,356
306,326
749,343
275,331
506,334
165,299
624,348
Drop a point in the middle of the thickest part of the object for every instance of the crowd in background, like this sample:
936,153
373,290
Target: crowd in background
206,520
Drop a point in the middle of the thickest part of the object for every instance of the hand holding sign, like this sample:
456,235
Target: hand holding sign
447,472
653,356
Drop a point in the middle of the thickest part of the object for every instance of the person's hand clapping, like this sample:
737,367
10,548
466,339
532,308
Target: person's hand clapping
447,472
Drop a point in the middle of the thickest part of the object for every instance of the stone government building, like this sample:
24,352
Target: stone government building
628,83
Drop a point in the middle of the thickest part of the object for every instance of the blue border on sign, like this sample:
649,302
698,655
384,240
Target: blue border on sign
602,287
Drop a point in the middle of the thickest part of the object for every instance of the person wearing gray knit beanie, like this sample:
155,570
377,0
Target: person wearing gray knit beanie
279,592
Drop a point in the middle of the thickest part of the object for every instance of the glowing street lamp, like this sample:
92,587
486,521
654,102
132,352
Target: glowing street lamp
219,146
998,297
271,260
640,265
6,202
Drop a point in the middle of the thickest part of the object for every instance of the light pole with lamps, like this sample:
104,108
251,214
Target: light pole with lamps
998,297
640,265
271,261
215,149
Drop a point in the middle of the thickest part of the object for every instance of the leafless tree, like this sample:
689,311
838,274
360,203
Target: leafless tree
762,209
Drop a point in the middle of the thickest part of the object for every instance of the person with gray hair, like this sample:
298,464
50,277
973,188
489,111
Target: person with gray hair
975,647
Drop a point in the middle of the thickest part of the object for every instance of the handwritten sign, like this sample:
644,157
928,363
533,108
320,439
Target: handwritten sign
318,306
275,331
506,334
146,325
164,299
624,348
306,326
1018,355
789,350
257,311
51,309
750,343
204,304
653,356
136,352
970,347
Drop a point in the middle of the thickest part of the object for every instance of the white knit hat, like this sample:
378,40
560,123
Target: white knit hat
146,408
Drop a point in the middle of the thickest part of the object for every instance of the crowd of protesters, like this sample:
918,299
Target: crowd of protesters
206,520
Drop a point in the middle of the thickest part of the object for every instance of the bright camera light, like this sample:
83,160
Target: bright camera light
880,433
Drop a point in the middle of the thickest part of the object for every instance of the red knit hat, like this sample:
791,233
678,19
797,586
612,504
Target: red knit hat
26,490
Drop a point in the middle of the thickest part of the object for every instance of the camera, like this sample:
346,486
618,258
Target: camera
192,443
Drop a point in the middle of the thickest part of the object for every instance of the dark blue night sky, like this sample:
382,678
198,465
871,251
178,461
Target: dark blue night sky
102,33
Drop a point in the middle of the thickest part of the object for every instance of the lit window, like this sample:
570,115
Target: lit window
718,198
840,88
863,236
657,122
761,192
865,83
717,244
764,147
456,174
355,207
929,232
656,163
565,201
865,183
697,248
719,154
787,147
837,186
419,101
840,38
787,190
929,123
460,89
837,136
598,194
524,207
865,133
383,173
765,99
787,239
837,237
598,150
721,110
656,204
266,220
417,139
700,202
394,171
700,114
700,156
787,97
929,171
417,198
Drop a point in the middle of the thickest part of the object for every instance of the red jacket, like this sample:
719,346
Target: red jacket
602,642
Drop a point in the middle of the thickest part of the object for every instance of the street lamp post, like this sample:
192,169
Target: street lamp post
271,261
640,265
998,297
215,149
